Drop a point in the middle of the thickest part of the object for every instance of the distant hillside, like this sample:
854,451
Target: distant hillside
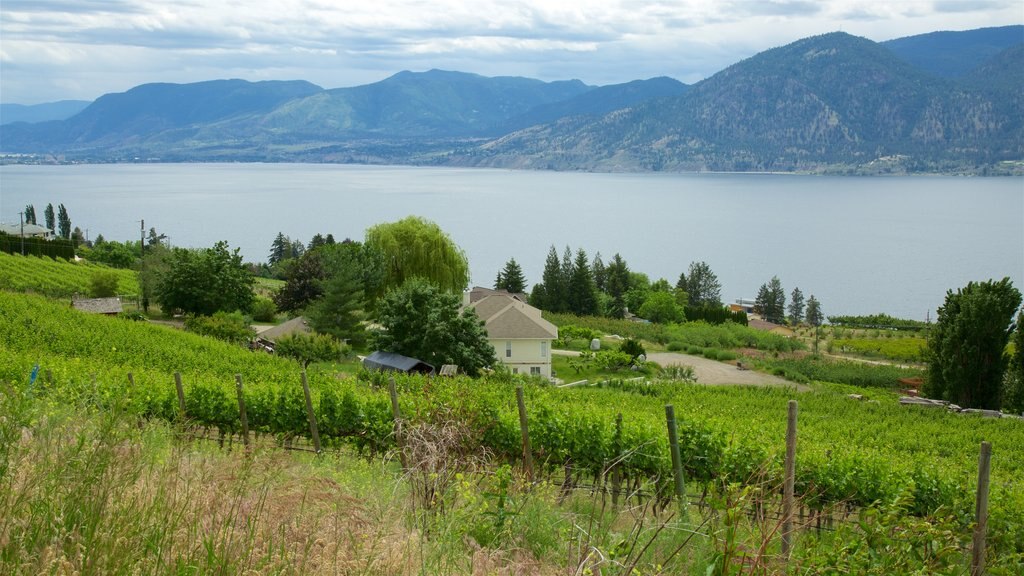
832,102
11,113
955,54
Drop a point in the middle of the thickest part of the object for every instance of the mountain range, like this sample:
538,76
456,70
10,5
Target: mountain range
946,102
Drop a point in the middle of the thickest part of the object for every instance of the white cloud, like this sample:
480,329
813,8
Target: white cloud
99,46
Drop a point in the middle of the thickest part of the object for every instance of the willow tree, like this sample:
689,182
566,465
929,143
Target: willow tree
417,248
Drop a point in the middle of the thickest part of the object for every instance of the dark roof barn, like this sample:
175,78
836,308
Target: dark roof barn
391,362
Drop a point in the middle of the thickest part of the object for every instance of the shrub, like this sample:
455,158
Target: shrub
232,327
103,284
263,310
632,347
676,346
309,348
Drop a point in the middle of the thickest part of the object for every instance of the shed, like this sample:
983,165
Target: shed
107,306
268,338
391,362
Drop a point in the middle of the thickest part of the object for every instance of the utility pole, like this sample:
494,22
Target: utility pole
142,265
21,219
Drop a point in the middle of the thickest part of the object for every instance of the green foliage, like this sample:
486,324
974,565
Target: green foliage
633,348
417,248
422,321
205,281
340,311
582,290
57,248
818,369
1013,389
303,282
103,284
568,333
511,278
263,309
57,278
661,308
716,315
63,223
228,326
877,321
701,285
112,253
309,348
902,349
796,307
770,302
966,347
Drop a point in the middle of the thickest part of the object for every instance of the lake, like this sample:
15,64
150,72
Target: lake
861,245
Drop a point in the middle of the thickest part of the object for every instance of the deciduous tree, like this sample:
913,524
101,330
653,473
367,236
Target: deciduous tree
205,281
662,308
423,321
51,220
30,214
966,346
63,222
417,248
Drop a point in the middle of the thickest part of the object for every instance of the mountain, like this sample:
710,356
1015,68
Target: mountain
11,113
831,102
955,54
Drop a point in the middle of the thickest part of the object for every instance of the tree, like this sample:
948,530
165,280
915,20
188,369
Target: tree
639,289
50,219
966,346
309,348
617,284
341,309
303,282
796,306
511,278
63,222
815,317
113,253
423,321
600,272
771,301
1013,389
205,281
702,286
280,249
30,214
103,284
582,293
417,248
662,308
555,291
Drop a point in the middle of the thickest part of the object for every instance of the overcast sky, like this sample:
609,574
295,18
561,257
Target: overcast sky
81,49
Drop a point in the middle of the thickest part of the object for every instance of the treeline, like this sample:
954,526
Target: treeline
877,321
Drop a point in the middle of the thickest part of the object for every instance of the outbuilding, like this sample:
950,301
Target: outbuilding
390,362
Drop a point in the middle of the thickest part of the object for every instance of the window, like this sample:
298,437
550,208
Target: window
508,348
534,370
544,349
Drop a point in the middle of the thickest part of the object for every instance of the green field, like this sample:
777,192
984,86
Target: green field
58,278
861,453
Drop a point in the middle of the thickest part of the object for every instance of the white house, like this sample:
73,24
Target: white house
521,338
29,230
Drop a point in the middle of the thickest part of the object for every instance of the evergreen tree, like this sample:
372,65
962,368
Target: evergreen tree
555,286
815,317
63,222
155,239
777,311
280,249
617,284
329,240
796,306
303,279
317,241
762,302
296,249
702,286
582,289
340,311
600,273
567,268
51,221
511,278
966,345
30,214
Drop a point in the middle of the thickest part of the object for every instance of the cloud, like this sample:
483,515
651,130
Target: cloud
100,46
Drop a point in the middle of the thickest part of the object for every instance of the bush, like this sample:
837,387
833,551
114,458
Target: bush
632,347
675,346
309,348
263,310
103,284
232,327
694,350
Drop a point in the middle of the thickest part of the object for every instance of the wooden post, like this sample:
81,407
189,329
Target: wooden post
617,463
49,376
677,461
397,415
981,511
787,494
241,411
131,380
309,414
181,395
524,430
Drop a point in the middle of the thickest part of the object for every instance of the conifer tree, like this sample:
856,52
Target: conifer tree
702,286
796,306
511,278
617,284
600,272
555,285
582,289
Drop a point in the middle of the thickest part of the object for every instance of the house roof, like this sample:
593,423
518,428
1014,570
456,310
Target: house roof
389,361
30,230
297,325
477,293
506,317
98,305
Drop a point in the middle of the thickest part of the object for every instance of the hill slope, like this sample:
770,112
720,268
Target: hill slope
11,113
955,54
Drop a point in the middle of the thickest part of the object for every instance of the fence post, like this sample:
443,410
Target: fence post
181,395
787,494
131,380
241,411
309,414
981,511
524,430
617,463
396,413
677,461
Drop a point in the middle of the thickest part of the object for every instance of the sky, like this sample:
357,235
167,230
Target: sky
81,49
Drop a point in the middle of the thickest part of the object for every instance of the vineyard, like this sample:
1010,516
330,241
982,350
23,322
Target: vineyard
57,277
850,453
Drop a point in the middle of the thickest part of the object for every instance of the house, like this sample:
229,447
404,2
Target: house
742,305
391,362
478,293
267,338
105,306
27,230
520,336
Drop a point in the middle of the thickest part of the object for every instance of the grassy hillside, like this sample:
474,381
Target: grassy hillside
58,278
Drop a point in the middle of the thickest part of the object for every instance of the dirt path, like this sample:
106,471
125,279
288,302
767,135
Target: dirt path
711,371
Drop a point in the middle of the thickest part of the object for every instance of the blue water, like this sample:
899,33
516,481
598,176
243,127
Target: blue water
860,245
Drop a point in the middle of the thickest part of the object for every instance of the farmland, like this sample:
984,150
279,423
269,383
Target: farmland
58,277
851,454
